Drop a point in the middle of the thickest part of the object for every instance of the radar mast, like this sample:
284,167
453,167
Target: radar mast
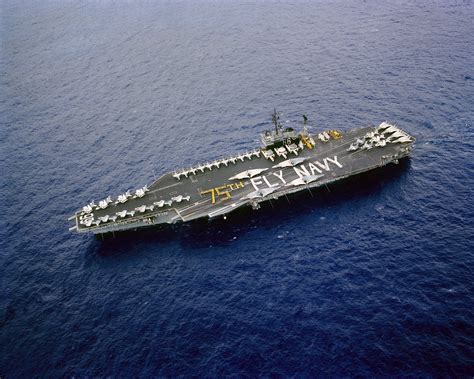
276,120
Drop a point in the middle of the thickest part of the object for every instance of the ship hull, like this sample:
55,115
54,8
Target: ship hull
217,188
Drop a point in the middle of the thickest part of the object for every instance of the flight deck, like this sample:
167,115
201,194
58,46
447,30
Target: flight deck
286,162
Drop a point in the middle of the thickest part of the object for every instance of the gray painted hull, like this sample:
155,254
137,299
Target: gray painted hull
209,191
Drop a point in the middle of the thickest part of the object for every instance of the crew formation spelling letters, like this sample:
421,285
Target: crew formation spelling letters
301,170
223,191
275,179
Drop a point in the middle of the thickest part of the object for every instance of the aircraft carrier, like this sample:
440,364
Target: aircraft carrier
287,161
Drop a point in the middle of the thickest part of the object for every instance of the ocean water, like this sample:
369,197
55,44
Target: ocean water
372,278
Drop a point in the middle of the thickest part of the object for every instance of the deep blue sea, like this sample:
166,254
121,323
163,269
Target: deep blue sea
374,277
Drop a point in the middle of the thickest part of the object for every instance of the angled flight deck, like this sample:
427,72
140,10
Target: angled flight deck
286,162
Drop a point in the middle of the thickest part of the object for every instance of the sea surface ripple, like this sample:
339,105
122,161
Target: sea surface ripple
374,278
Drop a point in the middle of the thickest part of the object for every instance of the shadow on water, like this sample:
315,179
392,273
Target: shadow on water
203,233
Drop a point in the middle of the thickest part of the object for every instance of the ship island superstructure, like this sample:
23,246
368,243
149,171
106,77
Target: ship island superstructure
287,161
